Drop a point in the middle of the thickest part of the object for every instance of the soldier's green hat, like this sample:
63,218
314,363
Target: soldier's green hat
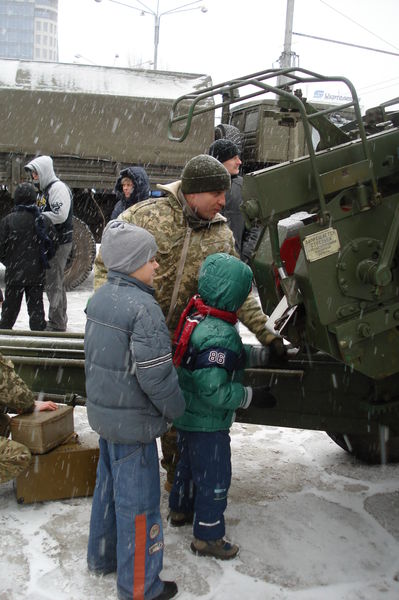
204,173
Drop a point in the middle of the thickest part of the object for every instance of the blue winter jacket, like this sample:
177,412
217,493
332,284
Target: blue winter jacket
141,190
132,388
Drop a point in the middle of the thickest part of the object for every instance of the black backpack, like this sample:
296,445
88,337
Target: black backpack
47,238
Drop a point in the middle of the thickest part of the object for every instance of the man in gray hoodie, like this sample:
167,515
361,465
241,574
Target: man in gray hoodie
57,205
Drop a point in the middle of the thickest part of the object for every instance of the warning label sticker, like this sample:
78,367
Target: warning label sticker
321,244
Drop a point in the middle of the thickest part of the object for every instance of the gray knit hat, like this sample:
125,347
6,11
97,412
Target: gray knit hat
126,247
204,173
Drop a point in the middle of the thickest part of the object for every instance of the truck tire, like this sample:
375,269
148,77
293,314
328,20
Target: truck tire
81,259
367,447
229,132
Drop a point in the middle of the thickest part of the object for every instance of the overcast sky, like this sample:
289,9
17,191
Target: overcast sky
237,37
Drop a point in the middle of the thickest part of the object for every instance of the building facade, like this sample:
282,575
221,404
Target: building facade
29,29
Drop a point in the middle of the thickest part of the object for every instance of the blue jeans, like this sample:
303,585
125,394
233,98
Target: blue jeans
126,532
202,481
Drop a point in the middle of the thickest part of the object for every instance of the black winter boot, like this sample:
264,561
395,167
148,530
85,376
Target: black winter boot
178,519
169,591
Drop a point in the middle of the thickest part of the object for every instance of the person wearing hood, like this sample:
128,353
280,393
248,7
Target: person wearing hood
228,153
210,358
57,207
27,243
131,187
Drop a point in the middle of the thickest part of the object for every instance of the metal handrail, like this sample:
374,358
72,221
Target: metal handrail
294,76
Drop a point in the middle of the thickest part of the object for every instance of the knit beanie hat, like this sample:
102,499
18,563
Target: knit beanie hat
126,247
25,193
224,149
204,173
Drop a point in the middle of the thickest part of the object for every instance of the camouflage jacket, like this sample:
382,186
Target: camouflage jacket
14,393
165,219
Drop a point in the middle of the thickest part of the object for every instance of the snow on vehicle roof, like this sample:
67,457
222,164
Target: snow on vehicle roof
91,79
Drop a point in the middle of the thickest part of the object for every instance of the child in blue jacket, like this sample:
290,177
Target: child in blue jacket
132,398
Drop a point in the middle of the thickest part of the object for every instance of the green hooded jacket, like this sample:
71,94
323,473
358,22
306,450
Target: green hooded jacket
213,393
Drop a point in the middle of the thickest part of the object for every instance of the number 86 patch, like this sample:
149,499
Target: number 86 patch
218,358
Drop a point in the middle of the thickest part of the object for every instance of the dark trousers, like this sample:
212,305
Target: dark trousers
202,481
12,305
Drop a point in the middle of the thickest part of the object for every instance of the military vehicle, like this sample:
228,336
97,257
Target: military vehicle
268,131
93,121
326,267
329,275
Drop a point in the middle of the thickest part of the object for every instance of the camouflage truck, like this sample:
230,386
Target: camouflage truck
269,130
93,121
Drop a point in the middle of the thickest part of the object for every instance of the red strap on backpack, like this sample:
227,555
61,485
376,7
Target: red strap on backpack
188,322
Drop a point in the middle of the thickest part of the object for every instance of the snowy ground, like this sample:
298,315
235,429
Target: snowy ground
312,524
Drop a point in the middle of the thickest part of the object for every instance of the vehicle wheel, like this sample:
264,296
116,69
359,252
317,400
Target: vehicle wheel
367,447
81,259
229,132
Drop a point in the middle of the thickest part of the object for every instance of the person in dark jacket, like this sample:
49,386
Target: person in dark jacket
25,240
131,187
57,207
210,357
132,398
228,153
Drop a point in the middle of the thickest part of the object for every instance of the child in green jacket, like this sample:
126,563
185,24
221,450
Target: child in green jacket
210,357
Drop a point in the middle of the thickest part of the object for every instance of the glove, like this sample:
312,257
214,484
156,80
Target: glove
262,398
259,356
277,349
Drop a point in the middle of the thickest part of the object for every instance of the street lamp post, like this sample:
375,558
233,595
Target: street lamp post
146,10
79,56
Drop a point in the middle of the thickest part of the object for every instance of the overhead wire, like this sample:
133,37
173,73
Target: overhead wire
377,89
366,87
358,24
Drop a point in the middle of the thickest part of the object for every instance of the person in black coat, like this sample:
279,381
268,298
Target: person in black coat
228,153
27,242
132,186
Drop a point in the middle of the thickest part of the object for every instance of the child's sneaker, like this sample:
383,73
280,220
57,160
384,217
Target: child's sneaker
178,519
220,548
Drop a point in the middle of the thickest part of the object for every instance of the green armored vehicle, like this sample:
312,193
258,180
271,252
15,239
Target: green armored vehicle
326,265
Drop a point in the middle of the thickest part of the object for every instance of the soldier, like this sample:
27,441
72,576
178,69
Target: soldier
16,396
187,226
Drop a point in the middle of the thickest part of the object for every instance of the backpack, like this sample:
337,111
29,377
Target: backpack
47,239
